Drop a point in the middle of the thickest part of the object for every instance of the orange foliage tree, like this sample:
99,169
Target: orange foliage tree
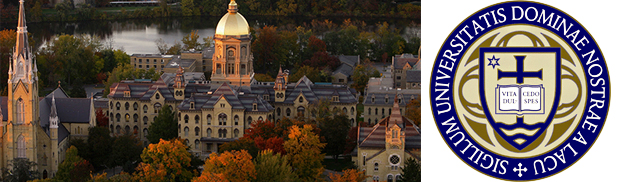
413,111
229,166
164,161
304,150
350,175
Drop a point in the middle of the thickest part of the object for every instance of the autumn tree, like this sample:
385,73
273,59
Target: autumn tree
362,73
271,166
349,175
245,144
311,73
7,43
233,166
164,126
164,161
304,149
322,60
410,172
82,171
413,110
267,50
101,118
190,41
70,164
334,130
261,77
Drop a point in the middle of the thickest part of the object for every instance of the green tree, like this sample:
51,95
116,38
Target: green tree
20,170
313,74
36,13
127,71
304,148
334,130
410,172
163,126
187,7
273,167
69,164
99,145
126,150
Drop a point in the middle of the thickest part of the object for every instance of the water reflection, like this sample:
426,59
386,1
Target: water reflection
139,35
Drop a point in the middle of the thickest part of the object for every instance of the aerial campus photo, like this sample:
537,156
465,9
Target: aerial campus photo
210,90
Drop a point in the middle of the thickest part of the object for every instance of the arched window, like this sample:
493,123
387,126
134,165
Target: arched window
118,117
145,108
369,121
242,69
145,132
382,111
278,111
209,119
112,128
157,96
301,111
301,99
186,118
288,112
376,168
21,147
208,132
196,144
157,107
218,69
352,111
236,119
236,133
375,111
126,117
389,178
135,118
145,120
222,119
118,106
186,130
20,111
118,129
136,130
249,120
135,106
45,164
260,118
197,131
197,119
127,130
111,105
344,110
364,160
126,105
369,111
398,178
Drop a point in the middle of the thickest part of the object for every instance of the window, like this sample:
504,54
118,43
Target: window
382,111
145,132
222,105
369,111
21,147
145,120
394,160
236,133
398,77
147,66
352,111
126,117
364,160
208,132
118,117
375,111
254,107
135,118
196,144
157,96
136,130
118,129
186,118
222,119
196,131
399,179
135,106
249,120
344,110
196,119
157,107
126,106
147,60
145,108
301,99
118,106
20,111
139,66
155,66
126,130
191,105
186,130
376,168
288,112
209,119
111,106
301,111
236,120
278,111
139,60
389,178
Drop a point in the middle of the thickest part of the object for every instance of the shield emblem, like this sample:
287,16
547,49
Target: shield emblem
518,90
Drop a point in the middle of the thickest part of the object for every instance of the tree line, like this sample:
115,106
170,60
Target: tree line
66,11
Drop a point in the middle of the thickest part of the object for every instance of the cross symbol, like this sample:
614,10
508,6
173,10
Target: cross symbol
520,169
520,74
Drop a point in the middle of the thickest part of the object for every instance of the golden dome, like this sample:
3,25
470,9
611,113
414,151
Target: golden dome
232,23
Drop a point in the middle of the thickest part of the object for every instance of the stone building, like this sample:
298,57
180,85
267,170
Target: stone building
382,149
213,112
400,66
37,129
191,61
342,74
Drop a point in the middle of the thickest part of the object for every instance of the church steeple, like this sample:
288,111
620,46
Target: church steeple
22,47
53,114
22,64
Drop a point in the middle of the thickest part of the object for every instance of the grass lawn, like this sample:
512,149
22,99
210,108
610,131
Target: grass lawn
337,165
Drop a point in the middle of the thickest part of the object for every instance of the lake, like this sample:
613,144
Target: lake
139,35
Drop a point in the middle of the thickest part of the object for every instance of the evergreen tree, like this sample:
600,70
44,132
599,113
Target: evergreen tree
410,172
163,126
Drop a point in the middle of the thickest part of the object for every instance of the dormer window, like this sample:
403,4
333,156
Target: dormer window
126,94
222,105
386,99
157,96
373,99
266,97
335,98
191,105
301,99
254,107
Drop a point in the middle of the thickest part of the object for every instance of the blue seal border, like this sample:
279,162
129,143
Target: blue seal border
504,167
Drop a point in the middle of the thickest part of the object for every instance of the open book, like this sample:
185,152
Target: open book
519,98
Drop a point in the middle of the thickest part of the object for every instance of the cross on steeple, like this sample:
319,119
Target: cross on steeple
520,74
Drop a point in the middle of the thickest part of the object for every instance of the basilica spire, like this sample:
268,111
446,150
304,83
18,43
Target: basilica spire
53,115
22,47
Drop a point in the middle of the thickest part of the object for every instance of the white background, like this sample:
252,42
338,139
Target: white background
601,163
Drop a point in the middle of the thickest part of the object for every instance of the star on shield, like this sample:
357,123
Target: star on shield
493,61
